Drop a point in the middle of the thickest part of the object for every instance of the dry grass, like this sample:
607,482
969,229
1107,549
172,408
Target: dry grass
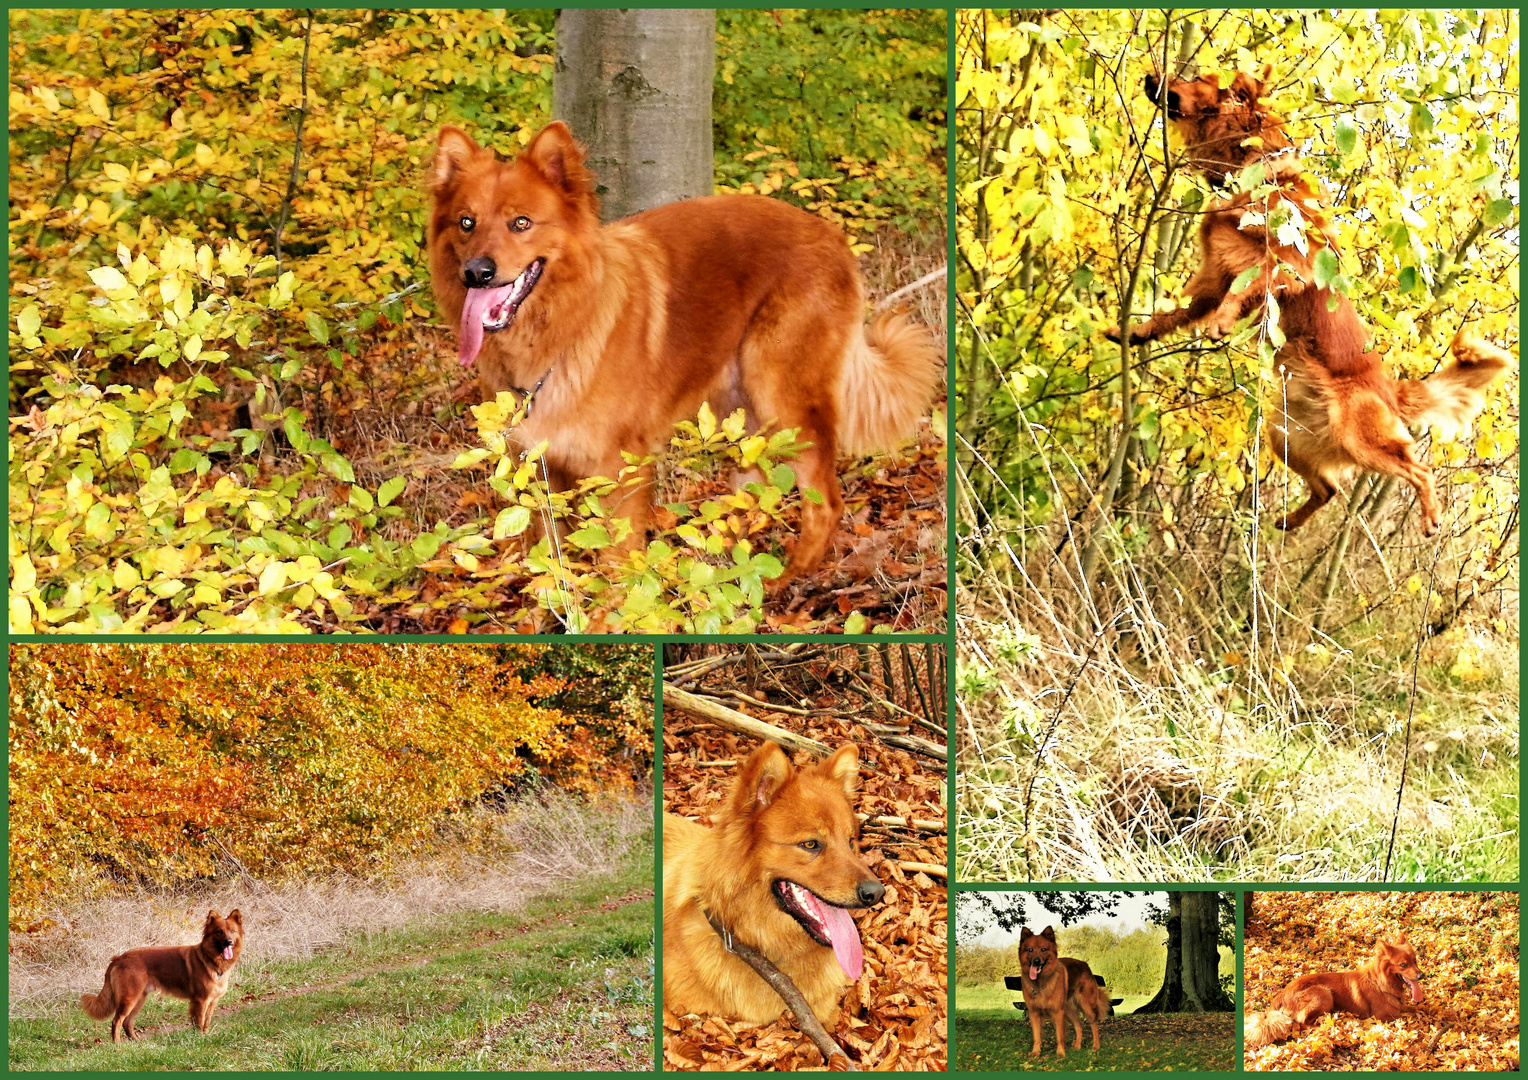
1184,716
537,845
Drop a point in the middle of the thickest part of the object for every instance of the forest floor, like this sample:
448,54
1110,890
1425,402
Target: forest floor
1467,945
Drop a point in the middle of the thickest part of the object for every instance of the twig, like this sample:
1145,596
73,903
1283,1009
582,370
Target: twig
780,982
1411,709
923,868
890,821
902,739
302,116
927,279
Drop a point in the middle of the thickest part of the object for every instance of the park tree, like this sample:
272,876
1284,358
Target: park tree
1197,924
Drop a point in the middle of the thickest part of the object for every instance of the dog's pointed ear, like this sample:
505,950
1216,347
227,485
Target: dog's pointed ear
760,781
1245,88
1049,932
235,917
559,158
1025,934
453,149
212,917
843,768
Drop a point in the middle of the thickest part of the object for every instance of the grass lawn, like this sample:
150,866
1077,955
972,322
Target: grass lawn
567,984
1000,1039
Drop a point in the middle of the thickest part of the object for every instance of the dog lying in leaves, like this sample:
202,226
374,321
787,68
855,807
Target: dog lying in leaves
1376,989
1341,413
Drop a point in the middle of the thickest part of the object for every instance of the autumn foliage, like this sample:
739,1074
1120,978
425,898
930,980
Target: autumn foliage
1467,949
164,763
232,409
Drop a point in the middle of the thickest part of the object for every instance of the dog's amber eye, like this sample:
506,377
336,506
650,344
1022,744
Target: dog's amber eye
811,845
468,224
520,224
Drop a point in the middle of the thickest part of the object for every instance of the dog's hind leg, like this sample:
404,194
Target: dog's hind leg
791,362
1321,489
1377,441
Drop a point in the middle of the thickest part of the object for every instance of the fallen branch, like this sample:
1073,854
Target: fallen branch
887,821
933,869
806,1019
742,723
899,738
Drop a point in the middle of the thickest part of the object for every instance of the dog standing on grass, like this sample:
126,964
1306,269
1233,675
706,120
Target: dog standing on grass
1341,413
1059,988
199,973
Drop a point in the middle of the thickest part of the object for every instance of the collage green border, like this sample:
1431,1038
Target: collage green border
948,637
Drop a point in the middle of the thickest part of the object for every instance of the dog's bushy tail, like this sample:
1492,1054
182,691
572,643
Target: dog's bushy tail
1448,401
890,372
99,1006
1268,1027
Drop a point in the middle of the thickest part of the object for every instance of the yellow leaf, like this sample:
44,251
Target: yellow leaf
23,575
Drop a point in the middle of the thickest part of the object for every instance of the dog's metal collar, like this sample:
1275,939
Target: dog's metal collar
528,397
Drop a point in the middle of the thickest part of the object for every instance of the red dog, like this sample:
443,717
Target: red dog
199,973
1373,990
1341,413
617,331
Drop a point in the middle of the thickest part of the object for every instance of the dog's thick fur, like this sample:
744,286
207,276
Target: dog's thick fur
198,973
1059,988
1341,413
777,869
1376,990
629,327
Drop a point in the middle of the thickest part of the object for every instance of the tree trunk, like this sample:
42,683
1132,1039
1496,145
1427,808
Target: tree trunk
634,84
1170,997
1192,982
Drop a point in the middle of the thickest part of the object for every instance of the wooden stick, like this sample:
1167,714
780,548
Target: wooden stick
924,867
781,983
916,824
897,737
741,723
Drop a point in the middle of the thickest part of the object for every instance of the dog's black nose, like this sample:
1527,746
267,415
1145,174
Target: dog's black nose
1153,88
870,892
479,273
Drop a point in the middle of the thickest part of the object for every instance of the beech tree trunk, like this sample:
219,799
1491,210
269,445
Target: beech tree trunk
1192,978
634,84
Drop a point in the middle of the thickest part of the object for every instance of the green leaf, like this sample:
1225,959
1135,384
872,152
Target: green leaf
1327,268
1347,136
1408,279
855,623
291,423
1421,120
391,489
1497,211
1245,278
317,327
512,521
424,547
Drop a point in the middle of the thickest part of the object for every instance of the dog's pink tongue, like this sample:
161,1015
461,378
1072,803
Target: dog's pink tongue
470,339
228,953
1416,989
1034,973
845,937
